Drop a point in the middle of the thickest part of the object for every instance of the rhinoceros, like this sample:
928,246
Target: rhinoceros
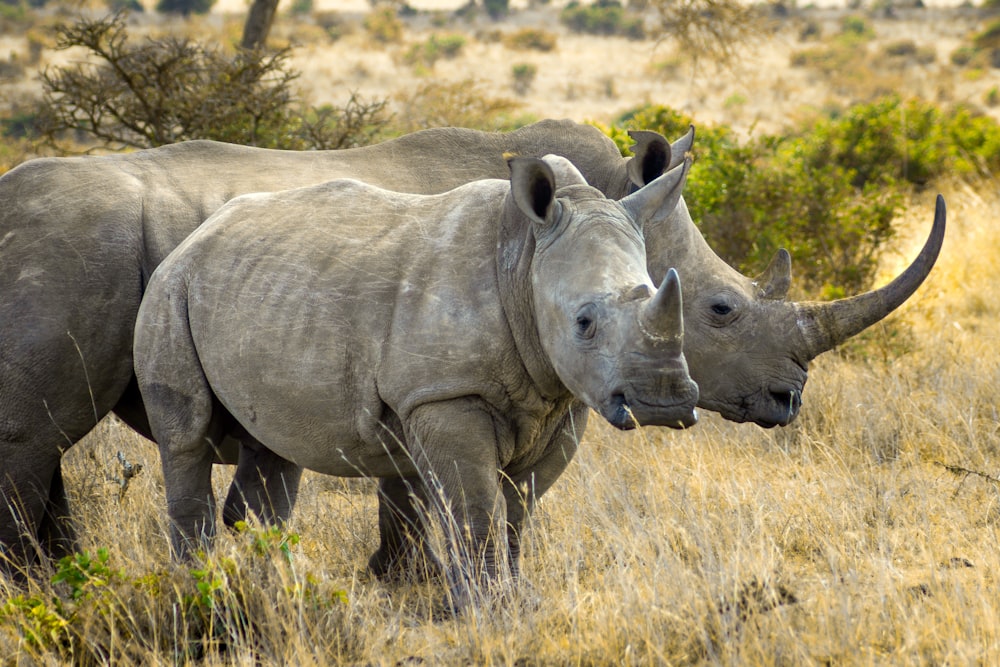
80,236
357,331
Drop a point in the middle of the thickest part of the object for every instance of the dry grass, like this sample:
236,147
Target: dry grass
852,537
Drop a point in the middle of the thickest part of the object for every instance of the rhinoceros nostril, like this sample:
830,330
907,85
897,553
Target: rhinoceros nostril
788,401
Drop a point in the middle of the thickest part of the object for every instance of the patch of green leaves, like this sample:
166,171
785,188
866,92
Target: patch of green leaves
604,17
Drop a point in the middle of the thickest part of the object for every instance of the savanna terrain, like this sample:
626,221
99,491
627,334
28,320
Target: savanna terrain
866,533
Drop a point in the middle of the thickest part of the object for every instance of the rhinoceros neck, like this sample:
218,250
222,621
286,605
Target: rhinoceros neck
515,255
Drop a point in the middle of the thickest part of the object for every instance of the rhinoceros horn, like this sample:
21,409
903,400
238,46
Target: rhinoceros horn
663,317
777,277
826,325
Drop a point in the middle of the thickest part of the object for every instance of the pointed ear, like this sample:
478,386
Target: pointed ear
658,199
565,171
651,157
680,148
533,186
777,277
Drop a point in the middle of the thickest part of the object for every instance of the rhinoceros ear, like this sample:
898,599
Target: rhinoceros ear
680,148
533,186
777,277
651,157
658,199
565,171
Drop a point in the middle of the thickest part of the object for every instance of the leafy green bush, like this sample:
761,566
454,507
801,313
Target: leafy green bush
530,39
827,191
604,17
524,75
856,29
749,199
384,26
184,7
496,8
436,47
911,140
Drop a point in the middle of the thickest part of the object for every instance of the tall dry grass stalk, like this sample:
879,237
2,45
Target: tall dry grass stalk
865,533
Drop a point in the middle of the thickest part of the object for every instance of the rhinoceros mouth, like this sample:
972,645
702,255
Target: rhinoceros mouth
767,409
627,414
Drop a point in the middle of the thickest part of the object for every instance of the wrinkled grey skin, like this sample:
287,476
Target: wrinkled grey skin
359,331
108,221
79,238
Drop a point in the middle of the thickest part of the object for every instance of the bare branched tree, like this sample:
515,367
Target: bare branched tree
708,29
167,90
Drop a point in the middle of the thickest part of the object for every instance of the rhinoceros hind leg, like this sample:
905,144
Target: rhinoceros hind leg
264,483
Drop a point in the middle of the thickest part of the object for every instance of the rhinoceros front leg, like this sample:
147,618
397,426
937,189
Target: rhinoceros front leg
264,483
454,447
523,488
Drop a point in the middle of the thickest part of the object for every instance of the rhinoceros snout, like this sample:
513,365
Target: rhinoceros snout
674,410
784,409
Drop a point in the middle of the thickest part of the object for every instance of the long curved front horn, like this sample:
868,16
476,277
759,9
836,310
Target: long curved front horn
826,325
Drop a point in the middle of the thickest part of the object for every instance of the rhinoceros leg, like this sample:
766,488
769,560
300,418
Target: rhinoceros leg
454,446
264,483
402,539
252,487
523,488
402,552
35,515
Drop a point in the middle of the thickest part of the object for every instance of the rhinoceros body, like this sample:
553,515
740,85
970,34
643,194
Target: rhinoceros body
358,331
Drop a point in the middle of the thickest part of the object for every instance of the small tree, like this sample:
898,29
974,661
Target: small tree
710,29
167,90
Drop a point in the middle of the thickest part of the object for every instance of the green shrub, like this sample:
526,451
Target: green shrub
436,47
856,28
384,26
496,8
524,75
130,5
827,191
530,39
749,199
604,17
184,7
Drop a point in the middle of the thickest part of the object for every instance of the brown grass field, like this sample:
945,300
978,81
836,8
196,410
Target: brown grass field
867,533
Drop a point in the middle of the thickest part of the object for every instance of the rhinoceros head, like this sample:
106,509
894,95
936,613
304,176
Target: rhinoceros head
612,340
747,346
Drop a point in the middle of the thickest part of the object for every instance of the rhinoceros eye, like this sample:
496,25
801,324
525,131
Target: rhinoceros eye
585,321
721,308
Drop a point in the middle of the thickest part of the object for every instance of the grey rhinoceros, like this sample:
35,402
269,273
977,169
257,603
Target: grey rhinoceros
357,331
